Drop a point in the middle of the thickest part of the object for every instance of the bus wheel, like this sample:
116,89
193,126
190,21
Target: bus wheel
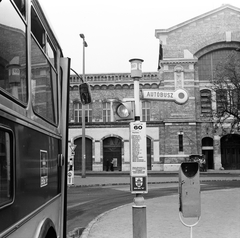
51,233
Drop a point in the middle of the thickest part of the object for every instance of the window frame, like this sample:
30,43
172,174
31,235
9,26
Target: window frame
180,142
53,86
206,105
12,166
88,112
77,110
221,98
106,111
20,66
146,111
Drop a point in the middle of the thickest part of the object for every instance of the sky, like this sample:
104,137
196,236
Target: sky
118,30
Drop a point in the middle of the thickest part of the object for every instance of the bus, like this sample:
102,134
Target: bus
34,83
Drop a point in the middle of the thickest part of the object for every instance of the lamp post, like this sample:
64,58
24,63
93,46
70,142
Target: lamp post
138,158
83,115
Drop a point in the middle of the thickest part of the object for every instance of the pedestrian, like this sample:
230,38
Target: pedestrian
107,165
112,165
70,165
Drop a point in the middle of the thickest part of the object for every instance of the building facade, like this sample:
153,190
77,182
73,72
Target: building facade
191,51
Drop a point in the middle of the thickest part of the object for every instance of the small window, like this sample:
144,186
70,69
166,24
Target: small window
180,142
37,29
77,108
222,101
206,102
6,168
106,111
88,113
146,111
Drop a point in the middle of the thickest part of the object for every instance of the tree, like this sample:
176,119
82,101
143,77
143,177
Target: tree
226,85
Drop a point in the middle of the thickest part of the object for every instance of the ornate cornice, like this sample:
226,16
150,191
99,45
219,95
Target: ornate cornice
115,81
179,61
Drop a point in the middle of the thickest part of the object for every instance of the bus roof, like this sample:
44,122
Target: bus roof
47,23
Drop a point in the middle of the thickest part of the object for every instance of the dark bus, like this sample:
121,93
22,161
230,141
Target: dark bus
34,83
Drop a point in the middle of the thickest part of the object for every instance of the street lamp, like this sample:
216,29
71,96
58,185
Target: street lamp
136,74
83,115
138,180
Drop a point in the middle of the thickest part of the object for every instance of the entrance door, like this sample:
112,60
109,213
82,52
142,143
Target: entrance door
209,158
112,150
230,151
78,154
207,150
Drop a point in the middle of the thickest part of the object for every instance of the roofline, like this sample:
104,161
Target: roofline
224,6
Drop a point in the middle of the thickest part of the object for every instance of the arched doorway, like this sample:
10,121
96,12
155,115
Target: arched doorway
230,151
149,153
112,149
207,150
78,154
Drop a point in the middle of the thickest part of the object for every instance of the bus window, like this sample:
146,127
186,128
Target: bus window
51,53
13,78
44,84
6,188
37,29
21,6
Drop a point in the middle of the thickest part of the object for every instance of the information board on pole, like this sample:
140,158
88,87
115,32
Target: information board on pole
138,157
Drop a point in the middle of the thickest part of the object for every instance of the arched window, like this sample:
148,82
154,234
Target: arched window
208,62
207,141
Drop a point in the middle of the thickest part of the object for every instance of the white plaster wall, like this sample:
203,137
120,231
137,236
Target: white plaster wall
98,134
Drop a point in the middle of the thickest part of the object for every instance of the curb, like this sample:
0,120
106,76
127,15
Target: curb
164,182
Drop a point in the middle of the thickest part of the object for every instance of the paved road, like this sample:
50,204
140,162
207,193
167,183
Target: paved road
87,202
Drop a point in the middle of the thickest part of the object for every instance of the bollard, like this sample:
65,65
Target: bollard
139,217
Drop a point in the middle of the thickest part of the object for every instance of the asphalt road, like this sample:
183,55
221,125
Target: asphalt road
86,203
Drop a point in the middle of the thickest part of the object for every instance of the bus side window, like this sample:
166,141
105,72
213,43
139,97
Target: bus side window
51,52
37,29
43,84
13,78
21,6
6,168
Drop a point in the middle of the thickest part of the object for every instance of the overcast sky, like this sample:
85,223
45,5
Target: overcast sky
118,30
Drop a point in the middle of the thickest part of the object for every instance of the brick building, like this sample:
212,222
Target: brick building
191,50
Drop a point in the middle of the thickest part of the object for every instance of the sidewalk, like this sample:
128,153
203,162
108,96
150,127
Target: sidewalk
220,218
220,209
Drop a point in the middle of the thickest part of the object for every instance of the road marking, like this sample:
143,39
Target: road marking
78,204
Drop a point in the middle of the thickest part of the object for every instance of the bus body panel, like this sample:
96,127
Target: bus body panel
33,188
32,226
36,172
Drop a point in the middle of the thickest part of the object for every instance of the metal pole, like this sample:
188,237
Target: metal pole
139,218
137,99
139,207
83,116
83,143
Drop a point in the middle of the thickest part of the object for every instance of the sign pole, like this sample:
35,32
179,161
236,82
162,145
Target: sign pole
83,115
138,171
